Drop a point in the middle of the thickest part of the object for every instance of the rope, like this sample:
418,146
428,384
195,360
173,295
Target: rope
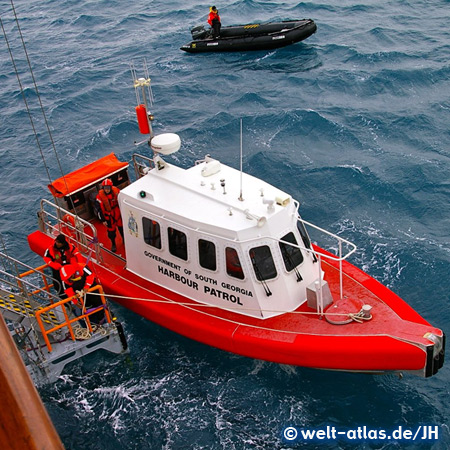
24,98
196,306
40,104
81,334
360,317
357,317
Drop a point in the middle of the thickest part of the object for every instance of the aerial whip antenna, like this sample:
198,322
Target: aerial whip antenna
240,161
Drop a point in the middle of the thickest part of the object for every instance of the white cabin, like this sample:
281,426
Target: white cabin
191,231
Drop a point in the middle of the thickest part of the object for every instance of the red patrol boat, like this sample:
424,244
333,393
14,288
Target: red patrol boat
224,258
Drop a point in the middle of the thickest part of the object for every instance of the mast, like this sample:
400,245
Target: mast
144,96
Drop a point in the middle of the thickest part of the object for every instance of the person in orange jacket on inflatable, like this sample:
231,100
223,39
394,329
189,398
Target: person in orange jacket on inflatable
110,211
214,21
59,254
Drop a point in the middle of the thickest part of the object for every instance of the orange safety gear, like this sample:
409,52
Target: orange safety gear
109,208
76,277
213,15
57,257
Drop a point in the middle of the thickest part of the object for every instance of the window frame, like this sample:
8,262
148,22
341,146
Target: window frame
180,255
229,273
256,268
280,244
200,253
144,233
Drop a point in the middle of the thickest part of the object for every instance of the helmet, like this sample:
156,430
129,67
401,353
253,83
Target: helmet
213,8
70,271
107,182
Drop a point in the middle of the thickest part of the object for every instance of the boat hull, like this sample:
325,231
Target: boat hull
299,338
254,37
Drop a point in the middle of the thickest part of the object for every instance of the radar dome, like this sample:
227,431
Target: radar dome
166,143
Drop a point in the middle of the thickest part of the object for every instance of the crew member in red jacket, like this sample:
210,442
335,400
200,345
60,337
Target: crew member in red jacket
58,255
110,211
77,280
214,21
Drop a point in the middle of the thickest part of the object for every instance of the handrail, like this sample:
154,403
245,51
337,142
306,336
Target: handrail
339,257
335,236
37,290
75,232
139,173
259,237
24,285
68,322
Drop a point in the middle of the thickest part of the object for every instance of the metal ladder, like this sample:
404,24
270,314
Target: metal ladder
43,326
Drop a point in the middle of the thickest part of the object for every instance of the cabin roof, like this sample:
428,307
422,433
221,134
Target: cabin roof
92,173
187,193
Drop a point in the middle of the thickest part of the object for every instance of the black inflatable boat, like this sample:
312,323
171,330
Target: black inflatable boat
256,36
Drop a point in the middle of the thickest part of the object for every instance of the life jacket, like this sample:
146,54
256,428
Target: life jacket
108,201
109,206
76,277
212,16
56,258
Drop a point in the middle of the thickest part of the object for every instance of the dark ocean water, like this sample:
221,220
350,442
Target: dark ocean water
354,122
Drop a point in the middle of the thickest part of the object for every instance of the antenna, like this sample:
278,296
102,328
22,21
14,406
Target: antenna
240,158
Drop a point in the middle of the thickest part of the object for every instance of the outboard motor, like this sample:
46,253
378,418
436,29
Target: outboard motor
199,32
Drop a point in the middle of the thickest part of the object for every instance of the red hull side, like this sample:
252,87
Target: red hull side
391,299
296,339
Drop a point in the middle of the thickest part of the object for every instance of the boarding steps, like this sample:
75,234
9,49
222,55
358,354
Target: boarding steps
44,328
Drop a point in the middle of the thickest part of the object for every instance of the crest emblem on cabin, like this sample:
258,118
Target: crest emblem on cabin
132,225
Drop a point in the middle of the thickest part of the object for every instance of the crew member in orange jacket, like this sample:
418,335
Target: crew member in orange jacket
110,211
77,280
214,21
58,255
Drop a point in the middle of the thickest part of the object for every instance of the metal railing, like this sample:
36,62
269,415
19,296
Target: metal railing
78,231
339,257
140,166
75,230
69,321
26,288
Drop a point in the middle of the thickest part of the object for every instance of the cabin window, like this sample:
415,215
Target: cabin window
177,243
304,234
234,268
263,263
75,200
207,254
120,178
292,256
152,232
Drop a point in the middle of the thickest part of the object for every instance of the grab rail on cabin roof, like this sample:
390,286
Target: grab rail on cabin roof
76,229
262,237
140,168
